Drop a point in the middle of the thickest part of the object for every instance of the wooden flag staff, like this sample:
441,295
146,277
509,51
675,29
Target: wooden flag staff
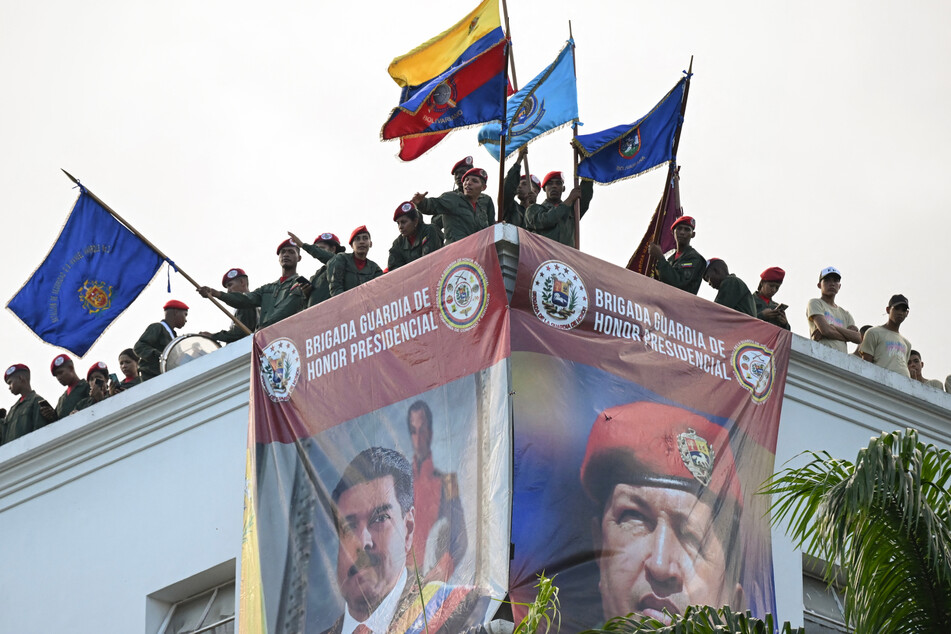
156,249
574,134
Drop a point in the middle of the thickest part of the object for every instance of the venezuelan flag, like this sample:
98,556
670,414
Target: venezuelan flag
467,95
450,48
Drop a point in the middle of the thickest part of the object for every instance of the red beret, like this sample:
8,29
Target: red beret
533,178
551,175
329,238
773,274
59,361
358,231
13,369
403,209
650,444
231,274
684,220
477,171
466,163
174,303
287,243
98,366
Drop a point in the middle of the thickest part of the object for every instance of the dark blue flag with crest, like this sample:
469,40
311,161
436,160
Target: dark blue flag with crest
631,149
95,271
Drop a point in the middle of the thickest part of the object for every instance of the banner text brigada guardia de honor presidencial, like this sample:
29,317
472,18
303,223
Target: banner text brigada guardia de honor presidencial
645,421
379,458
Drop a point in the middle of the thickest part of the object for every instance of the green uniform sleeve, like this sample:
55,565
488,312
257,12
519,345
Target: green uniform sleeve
432,206
397,256
434,239
686,274
321,254
146,348
337,273
288,303
587,193
509,186
251,299
542,217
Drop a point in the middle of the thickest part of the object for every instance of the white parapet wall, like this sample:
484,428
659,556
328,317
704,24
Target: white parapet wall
104,514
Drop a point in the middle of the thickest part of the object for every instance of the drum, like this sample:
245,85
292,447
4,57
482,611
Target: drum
186,348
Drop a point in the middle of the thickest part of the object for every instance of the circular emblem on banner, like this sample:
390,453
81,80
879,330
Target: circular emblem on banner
630,145
753,366
280,369
528,116
463,295
559,297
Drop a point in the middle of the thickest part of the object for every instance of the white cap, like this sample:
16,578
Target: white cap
829,270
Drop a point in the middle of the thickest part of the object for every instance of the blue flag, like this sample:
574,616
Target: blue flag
548,102
632,149
95,271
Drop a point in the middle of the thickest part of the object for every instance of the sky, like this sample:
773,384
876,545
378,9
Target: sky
815,135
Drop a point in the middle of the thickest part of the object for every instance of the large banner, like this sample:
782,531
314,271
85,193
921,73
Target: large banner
645,421
379,456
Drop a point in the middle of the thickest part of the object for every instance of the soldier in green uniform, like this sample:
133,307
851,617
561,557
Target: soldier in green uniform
30,412
684,268
416,238
129,365
766,309
236,281
463,213
98,378
277,300
150,345
525,188
76,388
554,218
349,270
324,248
732,292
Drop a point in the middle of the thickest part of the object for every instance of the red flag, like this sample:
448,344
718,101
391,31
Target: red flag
659,230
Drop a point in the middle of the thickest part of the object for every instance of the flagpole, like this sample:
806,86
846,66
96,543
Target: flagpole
672,166
154,248
683,108
500,212
574,135
508,33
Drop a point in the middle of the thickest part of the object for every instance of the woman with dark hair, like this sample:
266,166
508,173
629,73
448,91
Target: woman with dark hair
416,237
129,365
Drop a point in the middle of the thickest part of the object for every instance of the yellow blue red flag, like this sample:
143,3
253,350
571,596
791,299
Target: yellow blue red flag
450,48
470,94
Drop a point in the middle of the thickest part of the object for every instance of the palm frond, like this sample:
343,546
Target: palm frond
885,521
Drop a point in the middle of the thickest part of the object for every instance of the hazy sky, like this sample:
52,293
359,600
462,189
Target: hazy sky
815,135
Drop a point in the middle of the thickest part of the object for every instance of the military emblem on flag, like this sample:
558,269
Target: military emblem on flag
95,296
630,145
528,116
